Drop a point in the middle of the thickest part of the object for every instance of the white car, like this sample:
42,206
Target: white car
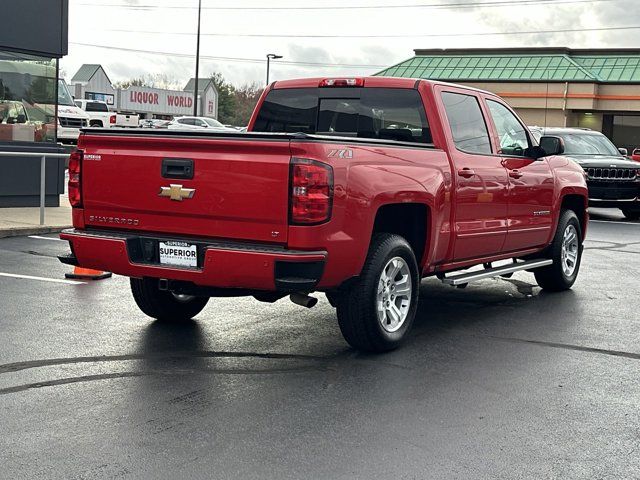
198,123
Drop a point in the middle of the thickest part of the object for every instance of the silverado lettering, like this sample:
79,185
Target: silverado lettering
356,187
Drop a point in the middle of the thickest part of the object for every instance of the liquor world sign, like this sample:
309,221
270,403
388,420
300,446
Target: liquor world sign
155,100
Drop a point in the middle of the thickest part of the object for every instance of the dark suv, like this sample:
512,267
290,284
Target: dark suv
612,178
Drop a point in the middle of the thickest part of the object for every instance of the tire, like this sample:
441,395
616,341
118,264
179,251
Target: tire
364,320
631,214
562,274
164,305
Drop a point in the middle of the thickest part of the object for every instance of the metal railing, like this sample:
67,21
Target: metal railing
43,159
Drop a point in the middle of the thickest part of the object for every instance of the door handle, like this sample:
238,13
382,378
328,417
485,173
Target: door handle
515,174
466,172
177,168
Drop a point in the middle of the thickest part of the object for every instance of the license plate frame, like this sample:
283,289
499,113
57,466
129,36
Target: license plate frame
177,254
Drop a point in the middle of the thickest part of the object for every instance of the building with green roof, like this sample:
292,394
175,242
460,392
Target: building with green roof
596,88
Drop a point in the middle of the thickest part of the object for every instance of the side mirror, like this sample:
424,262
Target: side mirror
22,118
624,152
552,145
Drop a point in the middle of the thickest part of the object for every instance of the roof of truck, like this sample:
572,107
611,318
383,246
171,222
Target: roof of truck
378,81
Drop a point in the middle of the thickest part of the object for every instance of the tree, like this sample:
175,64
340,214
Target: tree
246,98
132,82
226,98
157,80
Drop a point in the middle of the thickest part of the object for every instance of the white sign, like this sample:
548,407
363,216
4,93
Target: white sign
155,100
178,253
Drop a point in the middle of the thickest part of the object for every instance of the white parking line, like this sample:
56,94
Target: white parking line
618,223
43,279
37,237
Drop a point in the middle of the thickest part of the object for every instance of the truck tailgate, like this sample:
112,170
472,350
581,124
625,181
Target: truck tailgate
238,190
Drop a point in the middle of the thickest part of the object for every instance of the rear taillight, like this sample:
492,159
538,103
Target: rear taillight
311,192
342,82
112,119
75,184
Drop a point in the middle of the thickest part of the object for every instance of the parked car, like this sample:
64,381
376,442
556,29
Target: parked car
354,187
154,123
612,178
635,155
197,123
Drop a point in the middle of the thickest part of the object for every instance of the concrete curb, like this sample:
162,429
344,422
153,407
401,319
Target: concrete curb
35,230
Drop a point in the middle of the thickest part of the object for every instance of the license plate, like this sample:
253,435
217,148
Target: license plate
180,254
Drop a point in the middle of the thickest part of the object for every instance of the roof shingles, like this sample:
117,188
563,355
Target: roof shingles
556,66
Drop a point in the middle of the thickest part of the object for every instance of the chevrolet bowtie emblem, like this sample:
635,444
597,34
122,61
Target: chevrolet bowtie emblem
176,192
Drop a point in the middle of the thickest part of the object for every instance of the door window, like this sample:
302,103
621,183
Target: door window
513,137
467,124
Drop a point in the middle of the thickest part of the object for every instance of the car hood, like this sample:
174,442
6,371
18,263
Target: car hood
599,161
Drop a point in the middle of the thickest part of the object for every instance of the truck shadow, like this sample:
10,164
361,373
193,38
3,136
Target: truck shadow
494,304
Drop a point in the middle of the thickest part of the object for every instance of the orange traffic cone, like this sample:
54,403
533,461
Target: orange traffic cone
80,273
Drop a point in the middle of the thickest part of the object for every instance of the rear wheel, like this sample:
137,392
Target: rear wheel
165,305
631,214
376,312
566,253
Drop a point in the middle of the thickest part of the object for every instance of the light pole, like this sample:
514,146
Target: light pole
271,56
195,86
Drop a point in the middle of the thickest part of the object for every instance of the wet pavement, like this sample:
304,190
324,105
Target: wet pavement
499,380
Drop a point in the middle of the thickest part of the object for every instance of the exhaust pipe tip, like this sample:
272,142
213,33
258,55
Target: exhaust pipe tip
303,300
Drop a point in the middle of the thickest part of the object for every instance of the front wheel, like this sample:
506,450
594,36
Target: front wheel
631,214
165,305
376,313
566,253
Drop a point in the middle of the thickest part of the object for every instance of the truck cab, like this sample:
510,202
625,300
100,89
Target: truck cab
98,111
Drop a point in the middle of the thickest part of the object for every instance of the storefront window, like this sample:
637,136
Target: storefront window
28,86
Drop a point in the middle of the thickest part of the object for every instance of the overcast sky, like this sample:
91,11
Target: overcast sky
238,30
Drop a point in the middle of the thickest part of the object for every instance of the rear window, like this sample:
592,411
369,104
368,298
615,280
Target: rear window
97,107
382,113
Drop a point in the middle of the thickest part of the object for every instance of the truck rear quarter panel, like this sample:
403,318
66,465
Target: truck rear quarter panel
373,176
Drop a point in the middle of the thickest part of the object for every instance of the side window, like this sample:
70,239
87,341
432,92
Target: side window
186,121
467,124
512,135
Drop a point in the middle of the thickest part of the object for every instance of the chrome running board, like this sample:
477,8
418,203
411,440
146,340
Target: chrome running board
464,278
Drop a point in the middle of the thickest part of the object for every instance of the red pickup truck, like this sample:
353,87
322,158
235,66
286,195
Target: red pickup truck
356,187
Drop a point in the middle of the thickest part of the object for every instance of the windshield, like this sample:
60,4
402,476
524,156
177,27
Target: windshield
588,144
64,97
213,123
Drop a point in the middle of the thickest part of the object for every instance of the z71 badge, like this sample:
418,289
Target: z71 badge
342,153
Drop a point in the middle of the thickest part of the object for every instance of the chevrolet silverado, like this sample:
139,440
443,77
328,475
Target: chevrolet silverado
356,187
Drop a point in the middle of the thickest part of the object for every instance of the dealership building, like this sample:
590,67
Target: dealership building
91,82
597,88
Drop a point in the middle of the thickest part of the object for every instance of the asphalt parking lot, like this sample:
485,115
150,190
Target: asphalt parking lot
499,380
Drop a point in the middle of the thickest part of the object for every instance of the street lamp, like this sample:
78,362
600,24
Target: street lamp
195,86
271,56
